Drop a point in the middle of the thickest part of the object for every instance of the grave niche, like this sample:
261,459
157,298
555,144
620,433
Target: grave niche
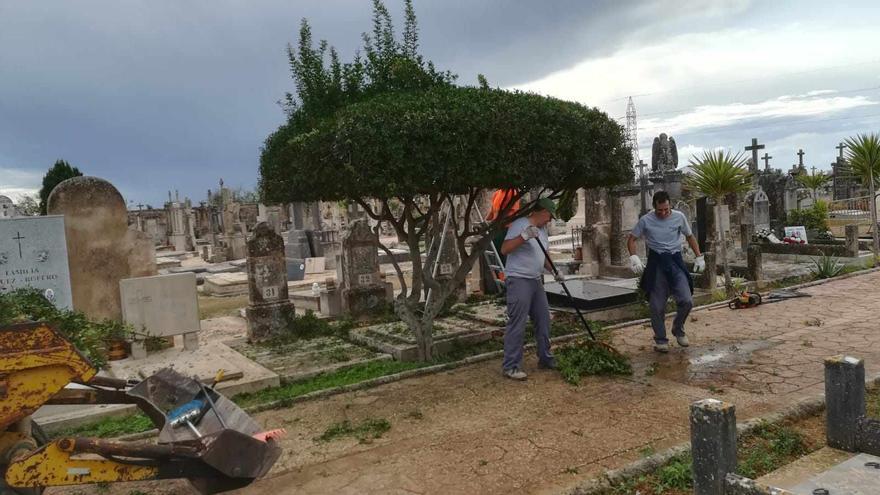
362,288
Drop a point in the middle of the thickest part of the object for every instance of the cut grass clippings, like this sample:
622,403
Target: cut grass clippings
365,431
585,358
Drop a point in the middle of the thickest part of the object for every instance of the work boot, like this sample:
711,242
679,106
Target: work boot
682,340
664,347
515,374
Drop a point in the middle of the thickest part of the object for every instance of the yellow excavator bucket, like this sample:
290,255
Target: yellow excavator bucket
35,363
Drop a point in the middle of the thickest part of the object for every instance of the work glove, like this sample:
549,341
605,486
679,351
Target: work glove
559,277
529,232
636,265
699,264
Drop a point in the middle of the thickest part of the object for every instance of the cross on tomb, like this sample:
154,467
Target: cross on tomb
800,155
754,149
766,159
840,147
813,169
18,238
643,186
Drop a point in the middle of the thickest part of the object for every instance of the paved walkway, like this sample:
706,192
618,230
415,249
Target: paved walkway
470,431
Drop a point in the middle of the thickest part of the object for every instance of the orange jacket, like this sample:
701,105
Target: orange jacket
500,199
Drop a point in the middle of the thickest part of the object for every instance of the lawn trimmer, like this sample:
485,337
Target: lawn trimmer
593,341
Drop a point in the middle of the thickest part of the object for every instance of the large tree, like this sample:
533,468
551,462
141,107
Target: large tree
59,173
393,134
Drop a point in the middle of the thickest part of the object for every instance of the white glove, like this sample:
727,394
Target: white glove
700,264
559,277
529,232
636,265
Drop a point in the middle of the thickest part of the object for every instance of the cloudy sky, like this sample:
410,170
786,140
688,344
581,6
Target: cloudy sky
156,95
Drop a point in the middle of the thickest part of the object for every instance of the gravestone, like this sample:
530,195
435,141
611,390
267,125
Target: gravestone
361,288
761,210
33,253
101,249
7,208
161,306
269,312
297,245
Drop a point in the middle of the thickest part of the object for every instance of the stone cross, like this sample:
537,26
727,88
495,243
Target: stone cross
813,169
754,149
766,159
800,155
840,147
18,237
643,186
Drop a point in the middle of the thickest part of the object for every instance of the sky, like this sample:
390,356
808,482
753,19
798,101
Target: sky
159,95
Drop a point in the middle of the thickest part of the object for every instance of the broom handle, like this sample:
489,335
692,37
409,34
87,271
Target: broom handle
565,288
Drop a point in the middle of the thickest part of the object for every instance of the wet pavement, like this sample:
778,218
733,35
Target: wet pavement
471,431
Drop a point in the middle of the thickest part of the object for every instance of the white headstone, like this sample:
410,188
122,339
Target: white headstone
162,305
33,253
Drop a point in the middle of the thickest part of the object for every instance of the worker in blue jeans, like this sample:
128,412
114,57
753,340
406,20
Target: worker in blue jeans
524,275
666,274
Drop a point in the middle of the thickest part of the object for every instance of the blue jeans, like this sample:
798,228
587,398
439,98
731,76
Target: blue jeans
526,299
680,291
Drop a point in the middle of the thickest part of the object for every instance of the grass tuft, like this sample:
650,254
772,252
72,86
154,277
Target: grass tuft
365,431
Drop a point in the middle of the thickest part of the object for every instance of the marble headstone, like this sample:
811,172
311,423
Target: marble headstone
33,253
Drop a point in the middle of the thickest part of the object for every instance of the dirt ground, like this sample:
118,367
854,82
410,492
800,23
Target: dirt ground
471,431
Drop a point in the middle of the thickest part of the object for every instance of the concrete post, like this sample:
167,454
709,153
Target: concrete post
755,264
852,241
709,278
713,444
844,401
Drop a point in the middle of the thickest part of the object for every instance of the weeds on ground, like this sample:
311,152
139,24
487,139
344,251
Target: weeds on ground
109,427
765,449
826,267
365,431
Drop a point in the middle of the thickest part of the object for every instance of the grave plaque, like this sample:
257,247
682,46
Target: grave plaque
269,310
33,253
761,210
162,305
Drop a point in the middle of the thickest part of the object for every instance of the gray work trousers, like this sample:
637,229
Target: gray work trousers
526,299
680,291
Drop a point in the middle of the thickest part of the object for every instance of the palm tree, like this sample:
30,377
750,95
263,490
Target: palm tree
863,155
717,174
813,182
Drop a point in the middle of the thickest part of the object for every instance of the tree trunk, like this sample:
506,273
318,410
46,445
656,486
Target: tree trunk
722,245
422,328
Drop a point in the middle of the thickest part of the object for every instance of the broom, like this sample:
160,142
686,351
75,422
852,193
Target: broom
593,341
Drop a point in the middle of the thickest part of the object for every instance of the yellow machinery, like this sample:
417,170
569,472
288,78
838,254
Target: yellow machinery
203,436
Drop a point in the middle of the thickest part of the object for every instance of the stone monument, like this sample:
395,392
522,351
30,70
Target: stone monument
161,306
33,253
357,267
269,310
7,208
101,249
664,154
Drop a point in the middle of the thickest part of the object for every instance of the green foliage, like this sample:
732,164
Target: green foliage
446,140
719,173
863,156
813,182
89,337
813,218
567,206
826,267
365,431
676,475
769,447
575,361
110,427
354,374
59,173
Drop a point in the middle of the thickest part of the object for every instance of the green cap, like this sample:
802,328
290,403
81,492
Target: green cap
549,205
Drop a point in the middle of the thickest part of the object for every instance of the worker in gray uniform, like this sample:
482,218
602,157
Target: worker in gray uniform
524,275
666,274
